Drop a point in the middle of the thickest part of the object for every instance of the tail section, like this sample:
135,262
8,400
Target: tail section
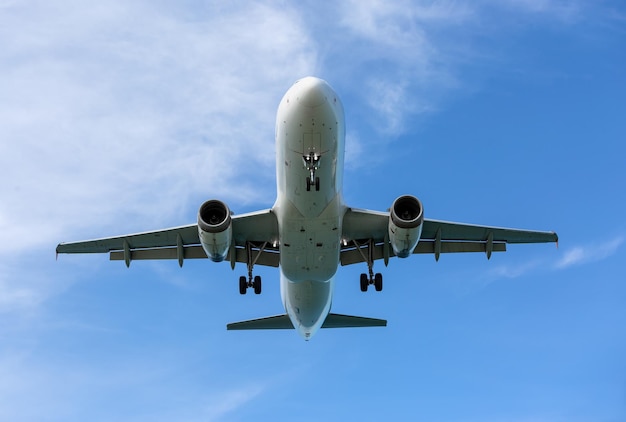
277,322
282,322
349,321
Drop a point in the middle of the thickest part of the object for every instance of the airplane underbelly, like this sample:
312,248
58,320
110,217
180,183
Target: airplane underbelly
310,249
307,303
309,206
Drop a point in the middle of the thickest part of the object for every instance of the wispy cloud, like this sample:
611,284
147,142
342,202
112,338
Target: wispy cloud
228,401
398,44
578,255
515,270
124,116
25,374
102,105
589,253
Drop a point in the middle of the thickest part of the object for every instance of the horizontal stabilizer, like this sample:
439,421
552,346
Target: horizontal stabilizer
282,322
277,322
347,321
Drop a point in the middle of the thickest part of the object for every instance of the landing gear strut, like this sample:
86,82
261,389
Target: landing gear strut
251,281
312,163
371,278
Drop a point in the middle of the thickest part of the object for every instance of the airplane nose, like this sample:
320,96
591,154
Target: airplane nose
312,92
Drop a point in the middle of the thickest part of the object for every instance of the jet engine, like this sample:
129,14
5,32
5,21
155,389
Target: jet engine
215,229
405,225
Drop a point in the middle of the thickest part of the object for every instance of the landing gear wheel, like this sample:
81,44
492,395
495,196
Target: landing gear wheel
308,184
317,184
378,282
253,252
364,282
257,285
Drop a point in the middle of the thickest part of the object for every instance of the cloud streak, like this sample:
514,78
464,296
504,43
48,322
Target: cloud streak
124,117
587,254
575,256
99,109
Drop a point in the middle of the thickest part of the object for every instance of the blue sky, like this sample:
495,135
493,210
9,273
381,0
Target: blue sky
125,116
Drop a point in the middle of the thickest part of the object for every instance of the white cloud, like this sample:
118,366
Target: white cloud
400,24
590,253
132,110
72,390
18,296
123,116
228,401
578,255
408,68
515,270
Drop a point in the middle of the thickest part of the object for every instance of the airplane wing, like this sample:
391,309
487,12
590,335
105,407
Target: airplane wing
364,228
257,231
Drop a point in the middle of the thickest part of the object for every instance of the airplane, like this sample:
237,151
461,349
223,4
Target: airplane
310,231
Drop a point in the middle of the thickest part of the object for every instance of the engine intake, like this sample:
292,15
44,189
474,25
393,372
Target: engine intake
215,229
405,225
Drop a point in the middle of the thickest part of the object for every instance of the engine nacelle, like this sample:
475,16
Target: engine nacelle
405,225
215,229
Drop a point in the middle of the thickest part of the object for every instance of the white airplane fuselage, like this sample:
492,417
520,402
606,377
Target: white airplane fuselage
310,139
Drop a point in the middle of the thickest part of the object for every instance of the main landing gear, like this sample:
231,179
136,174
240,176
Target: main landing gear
244,283
312,163
250,281
376,280
371,278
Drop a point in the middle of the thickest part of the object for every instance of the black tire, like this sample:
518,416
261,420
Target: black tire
308,184
378,282
257,285
364,282
317,184
243,285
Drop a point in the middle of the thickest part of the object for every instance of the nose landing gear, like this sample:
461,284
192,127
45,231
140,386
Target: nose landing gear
309,183
312,163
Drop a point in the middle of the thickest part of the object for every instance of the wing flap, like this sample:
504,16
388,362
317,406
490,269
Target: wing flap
268,257
159,238
260,227
353,256
437,236
190,252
